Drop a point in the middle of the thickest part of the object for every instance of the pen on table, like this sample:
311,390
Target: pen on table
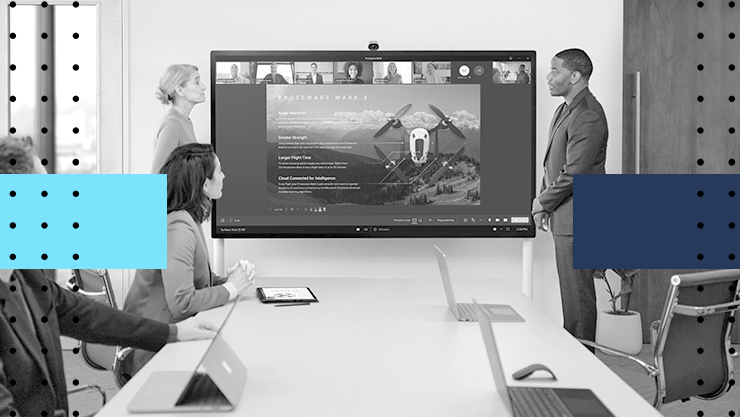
292,304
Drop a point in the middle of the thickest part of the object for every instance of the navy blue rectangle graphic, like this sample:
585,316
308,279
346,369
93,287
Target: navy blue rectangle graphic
656,221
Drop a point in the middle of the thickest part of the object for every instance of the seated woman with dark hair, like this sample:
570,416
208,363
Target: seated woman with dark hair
187,286
353,72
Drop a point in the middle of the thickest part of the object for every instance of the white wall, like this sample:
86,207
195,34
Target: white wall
162,32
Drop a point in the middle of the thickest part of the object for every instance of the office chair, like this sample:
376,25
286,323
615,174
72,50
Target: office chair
691,349
96,284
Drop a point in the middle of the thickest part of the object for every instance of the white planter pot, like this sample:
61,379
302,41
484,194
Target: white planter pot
621,332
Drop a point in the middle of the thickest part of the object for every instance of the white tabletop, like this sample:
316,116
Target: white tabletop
388,347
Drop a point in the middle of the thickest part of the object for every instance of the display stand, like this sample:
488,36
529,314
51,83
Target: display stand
527,263
528,267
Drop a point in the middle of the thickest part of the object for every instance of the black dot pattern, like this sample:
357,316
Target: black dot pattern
700,193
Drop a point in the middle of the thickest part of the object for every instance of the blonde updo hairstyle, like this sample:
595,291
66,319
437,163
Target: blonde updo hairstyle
174,75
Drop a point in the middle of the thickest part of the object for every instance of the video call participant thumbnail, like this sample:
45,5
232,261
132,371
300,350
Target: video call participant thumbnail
274,77
352,72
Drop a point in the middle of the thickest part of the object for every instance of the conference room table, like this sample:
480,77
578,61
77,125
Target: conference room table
388,347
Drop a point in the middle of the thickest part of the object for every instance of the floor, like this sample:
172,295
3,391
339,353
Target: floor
727,405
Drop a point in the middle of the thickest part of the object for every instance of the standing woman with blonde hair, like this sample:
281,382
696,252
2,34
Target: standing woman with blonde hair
180,85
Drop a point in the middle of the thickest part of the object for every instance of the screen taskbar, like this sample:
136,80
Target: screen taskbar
398,226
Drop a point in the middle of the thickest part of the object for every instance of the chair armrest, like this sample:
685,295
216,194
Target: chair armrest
71,285
650,370
654,326
121,355
88,388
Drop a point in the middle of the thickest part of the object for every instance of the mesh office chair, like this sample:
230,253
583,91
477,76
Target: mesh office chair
692,356
96,284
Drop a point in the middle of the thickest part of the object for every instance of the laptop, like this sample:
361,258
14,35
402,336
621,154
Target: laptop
537,401
214,389
466,311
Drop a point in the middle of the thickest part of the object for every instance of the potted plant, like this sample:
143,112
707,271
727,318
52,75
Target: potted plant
619,328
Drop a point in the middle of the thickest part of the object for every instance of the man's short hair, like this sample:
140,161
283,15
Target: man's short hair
16,155
576,60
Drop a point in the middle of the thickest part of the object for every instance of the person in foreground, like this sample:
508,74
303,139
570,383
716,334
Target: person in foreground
577,145
36,311
180,85
187,286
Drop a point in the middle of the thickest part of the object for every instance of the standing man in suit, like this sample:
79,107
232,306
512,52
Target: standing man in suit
577,145
314,77
34,311
522,77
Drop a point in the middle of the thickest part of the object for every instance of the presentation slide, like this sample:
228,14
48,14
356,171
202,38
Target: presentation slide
365,145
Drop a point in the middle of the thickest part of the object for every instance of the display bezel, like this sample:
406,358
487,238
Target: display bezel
364,231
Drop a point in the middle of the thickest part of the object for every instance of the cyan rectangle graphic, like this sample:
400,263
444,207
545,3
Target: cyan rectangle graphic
122,221
652,221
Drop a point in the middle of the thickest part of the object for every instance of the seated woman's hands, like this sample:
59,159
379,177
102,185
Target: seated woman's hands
242,275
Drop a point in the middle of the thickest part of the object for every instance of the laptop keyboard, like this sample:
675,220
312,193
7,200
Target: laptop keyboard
202,391
467,311
541,402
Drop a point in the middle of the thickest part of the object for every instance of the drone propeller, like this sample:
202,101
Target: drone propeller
446,121
447,165
393,120
393,165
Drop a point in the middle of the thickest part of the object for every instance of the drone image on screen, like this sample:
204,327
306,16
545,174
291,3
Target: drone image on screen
416,147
